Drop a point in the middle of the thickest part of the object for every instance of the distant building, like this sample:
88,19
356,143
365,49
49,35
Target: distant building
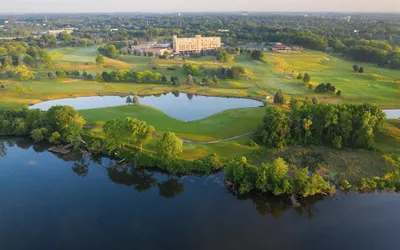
281,48
196,44
56,32
162,45
156,48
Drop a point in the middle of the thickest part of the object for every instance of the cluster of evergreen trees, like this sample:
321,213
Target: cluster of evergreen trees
345,125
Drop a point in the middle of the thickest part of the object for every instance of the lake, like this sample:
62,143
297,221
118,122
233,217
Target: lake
74,202
392,113
181,106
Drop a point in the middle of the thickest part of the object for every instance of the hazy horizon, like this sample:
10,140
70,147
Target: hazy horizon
161,6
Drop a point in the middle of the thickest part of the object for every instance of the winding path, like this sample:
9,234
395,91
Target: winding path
155,134
229,139
217,141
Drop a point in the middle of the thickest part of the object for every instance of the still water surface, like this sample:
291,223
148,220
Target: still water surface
52,202
180,106
186,107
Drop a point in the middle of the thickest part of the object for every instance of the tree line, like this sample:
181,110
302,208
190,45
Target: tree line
15,54
57,125
345,125
123,137
277,178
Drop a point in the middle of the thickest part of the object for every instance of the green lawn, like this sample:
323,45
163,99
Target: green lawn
377,85
219,126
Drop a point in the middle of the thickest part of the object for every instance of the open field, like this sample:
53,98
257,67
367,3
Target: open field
377,85
238,121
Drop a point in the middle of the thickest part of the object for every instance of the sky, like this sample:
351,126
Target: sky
41,6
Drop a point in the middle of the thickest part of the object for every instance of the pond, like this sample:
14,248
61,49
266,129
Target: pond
72,202
184,107
392,113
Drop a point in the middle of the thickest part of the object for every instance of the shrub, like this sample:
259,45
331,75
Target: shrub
55,138
300,76
279,98
39,134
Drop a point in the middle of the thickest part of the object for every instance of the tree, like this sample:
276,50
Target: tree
339,93
279,98
39,134
67,121
275,128
189,79
136,100
355,68
191,69
129,100
24,73
121,132
237,70
55,138
50,75
99,77
108,50
361,70
169,146
224,57
85,41
257,55
65,36
306,78
275,178
143,132
29,61
165,54
300,76
100,60
60,73
315,100
90,77
215,79
47,59
164,79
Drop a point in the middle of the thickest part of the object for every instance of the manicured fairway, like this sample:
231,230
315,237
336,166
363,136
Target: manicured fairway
219,126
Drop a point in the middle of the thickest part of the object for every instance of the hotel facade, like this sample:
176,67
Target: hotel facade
195,44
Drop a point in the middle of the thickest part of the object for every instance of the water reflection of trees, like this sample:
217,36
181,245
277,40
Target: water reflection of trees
170,188
137,178
3,149
276,206
142,180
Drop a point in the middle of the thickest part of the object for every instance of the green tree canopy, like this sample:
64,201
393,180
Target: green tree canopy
169,146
